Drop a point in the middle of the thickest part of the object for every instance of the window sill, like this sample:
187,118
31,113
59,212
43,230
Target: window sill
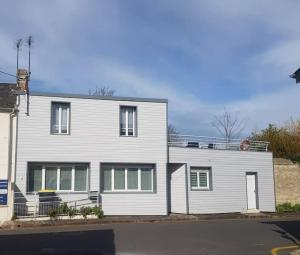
59,134
200,189
128,192
60,192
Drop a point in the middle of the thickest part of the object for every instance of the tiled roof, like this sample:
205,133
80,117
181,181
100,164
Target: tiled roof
7,98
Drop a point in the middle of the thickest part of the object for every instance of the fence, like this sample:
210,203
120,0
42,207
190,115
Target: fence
31,206
203,142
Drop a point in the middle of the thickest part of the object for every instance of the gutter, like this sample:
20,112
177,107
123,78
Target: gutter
13,134
12,114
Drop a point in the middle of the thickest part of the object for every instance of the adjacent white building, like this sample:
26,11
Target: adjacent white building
7,149
119,146
75,144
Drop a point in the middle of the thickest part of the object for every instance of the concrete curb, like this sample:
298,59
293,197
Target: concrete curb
17,224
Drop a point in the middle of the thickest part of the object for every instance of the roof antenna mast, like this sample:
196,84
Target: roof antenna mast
29,44
18,45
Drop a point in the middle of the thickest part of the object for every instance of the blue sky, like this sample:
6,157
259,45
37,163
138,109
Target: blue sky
201,55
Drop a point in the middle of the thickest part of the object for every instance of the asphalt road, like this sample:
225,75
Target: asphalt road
224,237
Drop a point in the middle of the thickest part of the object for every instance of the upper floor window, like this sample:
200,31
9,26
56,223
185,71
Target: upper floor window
128,121
60,118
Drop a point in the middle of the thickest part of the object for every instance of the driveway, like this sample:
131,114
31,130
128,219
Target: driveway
230,237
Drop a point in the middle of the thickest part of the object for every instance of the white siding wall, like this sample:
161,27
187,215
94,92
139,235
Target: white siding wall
6,127
229,169
4,152
4,144
178,194
95,139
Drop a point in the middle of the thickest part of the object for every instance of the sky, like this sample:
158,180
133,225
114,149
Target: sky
203,56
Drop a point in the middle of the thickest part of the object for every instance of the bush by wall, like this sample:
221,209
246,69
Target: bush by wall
64,209
284,141
288,207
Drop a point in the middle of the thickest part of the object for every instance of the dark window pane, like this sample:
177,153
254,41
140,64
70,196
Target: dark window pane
194,182
35,178
51,178
132,178
146,179
80,178
66,178
107,179
119,179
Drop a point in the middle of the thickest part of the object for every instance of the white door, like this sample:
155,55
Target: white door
251,190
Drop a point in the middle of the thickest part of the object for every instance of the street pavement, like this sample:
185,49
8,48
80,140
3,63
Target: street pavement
213,237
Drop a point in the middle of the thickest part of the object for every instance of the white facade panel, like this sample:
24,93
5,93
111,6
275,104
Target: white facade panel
7,150
229,168
95,138
178,190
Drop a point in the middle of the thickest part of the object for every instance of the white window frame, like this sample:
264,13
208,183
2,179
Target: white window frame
198,171
44,166
139,189
60,118
125,108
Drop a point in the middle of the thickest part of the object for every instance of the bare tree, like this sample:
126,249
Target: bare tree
103,91
172,130
229,125
173,134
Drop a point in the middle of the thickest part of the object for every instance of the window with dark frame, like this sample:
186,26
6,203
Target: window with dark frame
128,178
58,177
60,118
200,178
128,119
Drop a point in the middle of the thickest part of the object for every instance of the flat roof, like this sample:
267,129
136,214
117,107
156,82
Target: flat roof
115,98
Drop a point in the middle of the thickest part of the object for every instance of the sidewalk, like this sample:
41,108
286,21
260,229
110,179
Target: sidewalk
46,221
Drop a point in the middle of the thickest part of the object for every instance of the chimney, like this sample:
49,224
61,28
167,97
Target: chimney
22,80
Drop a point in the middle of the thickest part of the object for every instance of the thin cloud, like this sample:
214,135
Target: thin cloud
202,56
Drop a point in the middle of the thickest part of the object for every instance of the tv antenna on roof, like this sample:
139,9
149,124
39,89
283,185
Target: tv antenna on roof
18,45
29,42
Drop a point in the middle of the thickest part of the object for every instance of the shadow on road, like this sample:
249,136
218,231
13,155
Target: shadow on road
287,228
95,242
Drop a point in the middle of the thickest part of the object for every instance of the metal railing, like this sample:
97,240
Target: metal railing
204,142
31,206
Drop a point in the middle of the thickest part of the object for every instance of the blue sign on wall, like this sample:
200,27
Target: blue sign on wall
3,192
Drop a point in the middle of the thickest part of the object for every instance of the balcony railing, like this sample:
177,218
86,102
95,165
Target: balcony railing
204,142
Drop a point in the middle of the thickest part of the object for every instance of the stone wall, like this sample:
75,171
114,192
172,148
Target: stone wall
287,181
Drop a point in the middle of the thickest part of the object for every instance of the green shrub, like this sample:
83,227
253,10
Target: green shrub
89,210
52,213
85,211
288,207
63,208
297,207
14,217
72,212
98,212
284,140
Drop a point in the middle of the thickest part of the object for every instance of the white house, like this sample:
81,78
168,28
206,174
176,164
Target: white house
119,146
7,148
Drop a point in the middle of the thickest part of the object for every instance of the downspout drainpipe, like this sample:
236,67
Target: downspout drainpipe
10,194
14,131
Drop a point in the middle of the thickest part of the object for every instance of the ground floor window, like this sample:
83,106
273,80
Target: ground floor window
59,177
200,178
128,178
